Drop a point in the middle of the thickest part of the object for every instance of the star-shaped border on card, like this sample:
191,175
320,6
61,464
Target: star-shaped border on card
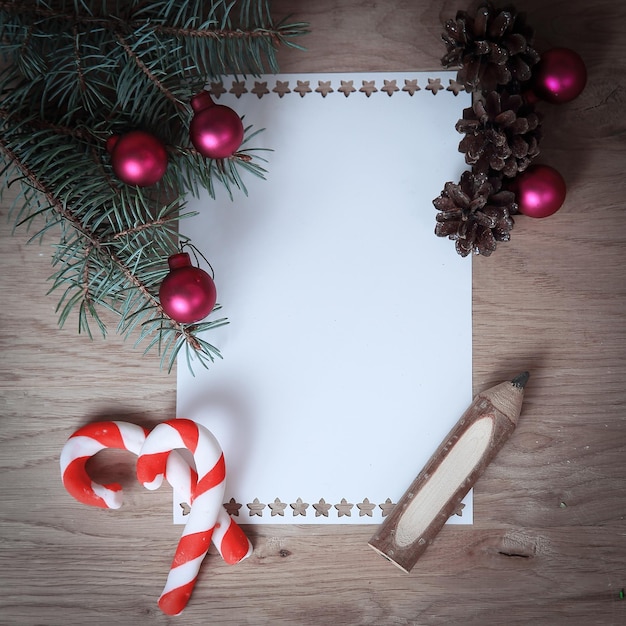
277,507
282,87
369,87
455,87
256,508
390,87
217,89
232,507
434,85
299,507
260,89
411,86
344,508
321,508
238,88
303,88
366,508
386,507
323,87
347,87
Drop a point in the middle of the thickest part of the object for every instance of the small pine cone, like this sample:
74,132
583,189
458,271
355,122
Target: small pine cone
475,213
502,133
494,47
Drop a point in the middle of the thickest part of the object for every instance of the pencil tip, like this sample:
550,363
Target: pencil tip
521,380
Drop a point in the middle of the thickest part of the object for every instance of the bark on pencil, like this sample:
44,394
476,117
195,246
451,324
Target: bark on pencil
450,473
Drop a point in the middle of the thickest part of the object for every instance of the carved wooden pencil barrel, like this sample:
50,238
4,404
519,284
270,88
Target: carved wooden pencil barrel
450,473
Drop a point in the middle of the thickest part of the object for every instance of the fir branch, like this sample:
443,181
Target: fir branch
144,226
93,242
276,35
151,77
79,72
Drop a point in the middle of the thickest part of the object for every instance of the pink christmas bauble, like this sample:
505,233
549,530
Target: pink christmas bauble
216,131
138,158
187,293
560,76
540,191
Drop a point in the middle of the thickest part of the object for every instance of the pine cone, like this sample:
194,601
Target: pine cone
502,133
475,213
492,48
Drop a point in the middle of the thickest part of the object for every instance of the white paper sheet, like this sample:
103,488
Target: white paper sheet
348,354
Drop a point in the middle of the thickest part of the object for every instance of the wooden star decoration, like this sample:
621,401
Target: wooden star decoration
366,508
232,507
459,510
434,85
282,87
321,508
344,508
256,508
238,88
303,88
217,89
455,87
185,507
347,87
260,89
277,507
411,86
390,87
369,87
299,507
386,507
323,87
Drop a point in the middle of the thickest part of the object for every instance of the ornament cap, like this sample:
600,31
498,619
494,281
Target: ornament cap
111,143
202,101
181,259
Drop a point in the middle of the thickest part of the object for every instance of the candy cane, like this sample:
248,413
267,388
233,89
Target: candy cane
206,500
85,443
229,539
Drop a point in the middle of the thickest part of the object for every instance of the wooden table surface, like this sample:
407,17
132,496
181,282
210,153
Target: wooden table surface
549,541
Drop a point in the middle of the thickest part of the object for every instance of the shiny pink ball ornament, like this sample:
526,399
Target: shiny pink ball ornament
540,191
560,76
187,293
216,131
138,158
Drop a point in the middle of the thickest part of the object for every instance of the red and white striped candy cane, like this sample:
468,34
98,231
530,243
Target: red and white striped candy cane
85,443
206,500
230,541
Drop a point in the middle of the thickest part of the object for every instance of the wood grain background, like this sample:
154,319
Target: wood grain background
549,542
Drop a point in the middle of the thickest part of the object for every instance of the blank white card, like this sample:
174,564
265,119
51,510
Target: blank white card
348,356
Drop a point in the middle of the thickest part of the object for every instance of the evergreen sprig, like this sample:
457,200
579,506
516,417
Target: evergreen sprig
77,72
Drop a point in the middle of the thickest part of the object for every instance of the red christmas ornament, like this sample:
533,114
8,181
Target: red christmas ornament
187,293
216,131
560,76
138,158
540,191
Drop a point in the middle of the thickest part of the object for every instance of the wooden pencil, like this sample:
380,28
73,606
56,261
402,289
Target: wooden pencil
450,473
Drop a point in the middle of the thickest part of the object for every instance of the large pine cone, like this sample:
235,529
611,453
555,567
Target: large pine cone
492,48
476,213
502,133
